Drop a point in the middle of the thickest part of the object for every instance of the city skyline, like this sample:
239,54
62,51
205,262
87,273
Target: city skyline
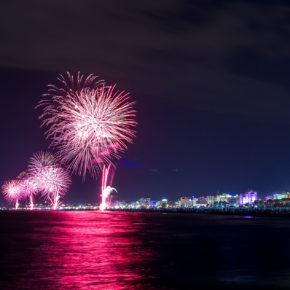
217,200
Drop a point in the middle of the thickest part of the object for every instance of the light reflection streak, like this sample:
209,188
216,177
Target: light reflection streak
93,250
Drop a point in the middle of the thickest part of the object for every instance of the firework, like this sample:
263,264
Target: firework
106,193
29,186
12,191
106,190
88,122
52,180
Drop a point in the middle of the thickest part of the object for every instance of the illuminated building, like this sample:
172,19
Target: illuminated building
194,201
211,200
280,195
233,200
144,202
162,203
248,197
201,201
184,202
269,196
223,197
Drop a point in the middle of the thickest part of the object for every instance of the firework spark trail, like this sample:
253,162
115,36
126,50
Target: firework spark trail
31,202
12,191
89,123
106,190
52,180
28,187
106,194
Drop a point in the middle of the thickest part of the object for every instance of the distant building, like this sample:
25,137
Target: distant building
220,204
284,202
185,202
122,204
194,201
144,202
248,197
233,200
280,195
211,199
162,203
201,201
223,197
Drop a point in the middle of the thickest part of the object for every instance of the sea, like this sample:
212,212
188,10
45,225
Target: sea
142,250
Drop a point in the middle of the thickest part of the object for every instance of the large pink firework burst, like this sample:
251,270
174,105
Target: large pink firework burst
51,179
89,123
12,191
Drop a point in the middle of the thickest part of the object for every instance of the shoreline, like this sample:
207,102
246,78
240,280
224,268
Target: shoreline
250,212
240,212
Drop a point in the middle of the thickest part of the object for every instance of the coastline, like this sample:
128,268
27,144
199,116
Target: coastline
237,211
248,212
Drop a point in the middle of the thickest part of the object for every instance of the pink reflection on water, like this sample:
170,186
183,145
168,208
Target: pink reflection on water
94,250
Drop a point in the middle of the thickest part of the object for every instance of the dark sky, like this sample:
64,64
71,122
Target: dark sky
211,80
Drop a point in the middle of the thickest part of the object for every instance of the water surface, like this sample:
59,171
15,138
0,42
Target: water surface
126,250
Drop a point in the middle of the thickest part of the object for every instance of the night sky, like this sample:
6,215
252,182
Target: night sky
211,81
